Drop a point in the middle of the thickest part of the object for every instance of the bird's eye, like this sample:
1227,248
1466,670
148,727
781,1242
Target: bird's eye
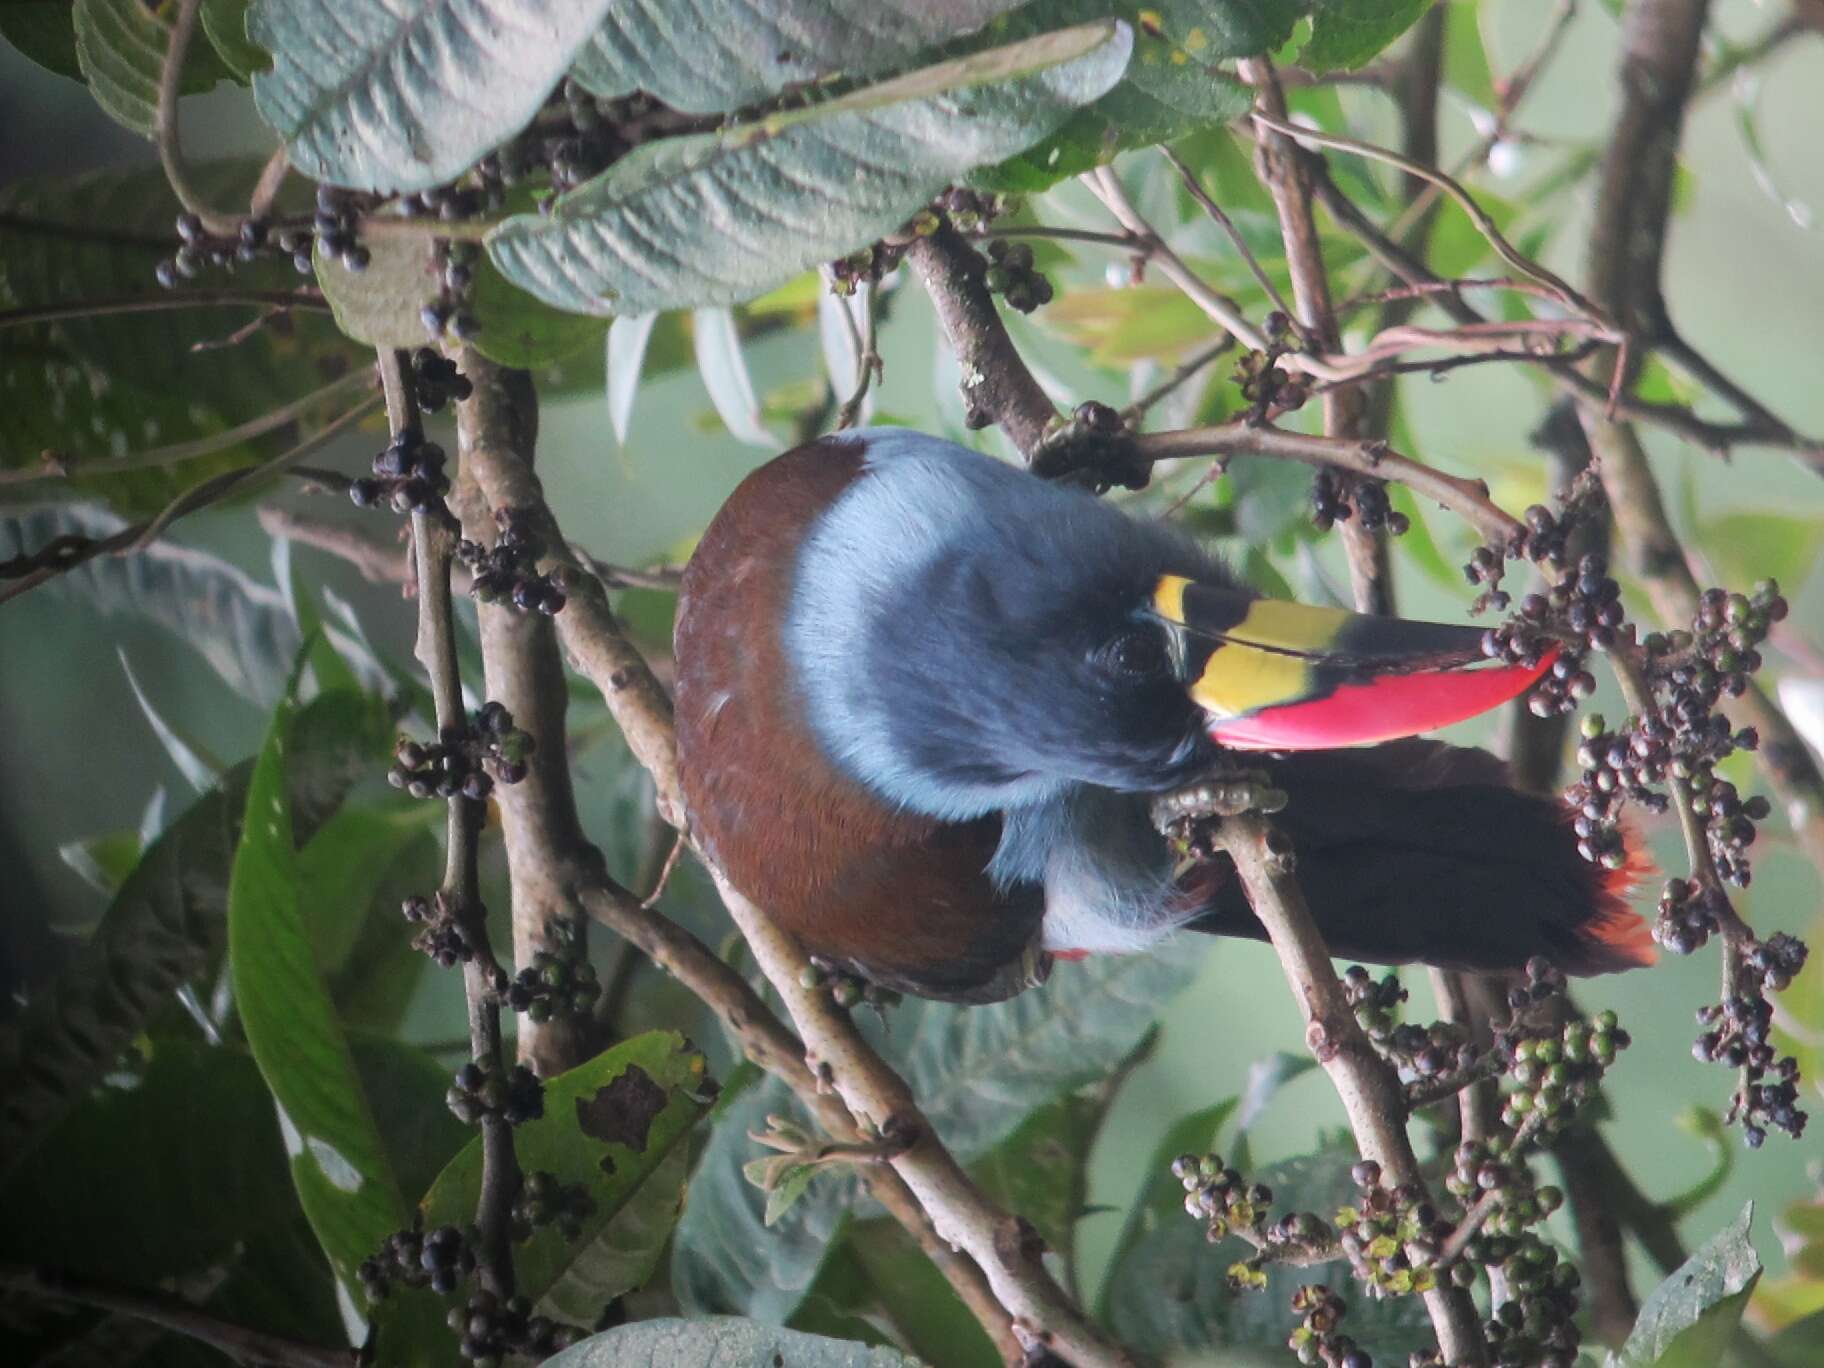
1138,654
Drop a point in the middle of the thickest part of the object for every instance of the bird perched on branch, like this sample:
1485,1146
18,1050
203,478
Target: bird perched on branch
925,702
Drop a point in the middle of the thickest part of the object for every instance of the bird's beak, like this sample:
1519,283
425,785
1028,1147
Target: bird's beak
1273,675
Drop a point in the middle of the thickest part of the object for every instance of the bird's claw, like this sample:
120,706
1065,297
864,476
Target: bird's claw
1227,795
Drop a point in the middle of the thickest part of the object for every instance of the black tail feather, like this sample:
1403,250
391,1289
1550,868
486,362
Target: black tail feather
1417,851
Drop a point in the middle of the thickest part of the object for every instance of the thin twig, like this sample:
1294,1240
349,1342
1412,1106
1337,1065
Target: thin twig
1370,1090
165,301
1195,188
140,535
483,979
164,125
1188,370
241,1343
75,468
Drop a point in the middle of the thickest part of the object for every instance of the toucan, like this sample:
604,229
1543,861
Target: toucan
925,701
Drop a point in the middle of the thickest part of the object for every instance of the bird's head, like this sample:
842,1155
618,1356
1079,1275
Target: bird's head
969,638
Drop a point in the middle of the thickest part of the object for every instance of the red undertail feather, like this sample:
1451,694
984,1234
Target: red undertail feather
1618,937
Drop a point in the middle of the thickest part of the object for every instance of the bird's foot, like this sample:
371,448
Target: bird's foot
1218,795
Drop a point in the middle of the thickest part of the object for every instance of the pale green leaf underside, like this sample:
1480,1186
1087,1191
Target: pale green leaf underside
408,94
719,218
724,1342
708,56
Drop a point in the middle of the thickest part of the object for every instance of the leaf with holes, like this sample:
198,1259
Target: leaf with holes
409,94
611,1125
711,56
717,218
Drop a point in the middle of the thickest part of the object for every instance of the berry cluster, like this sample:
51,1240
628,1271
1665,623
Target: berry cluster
200,249
408,476
1316,1339
466,760
481,1090
968,210
1421,1052
438,1259
436,381
444,937
1336,497
1581,612
1557,1075
1738,1035
492,1330
847,990
1392,1236
1267,388
553,986
337,224
507,572
1014,278
544,1201
1534,1322
451,312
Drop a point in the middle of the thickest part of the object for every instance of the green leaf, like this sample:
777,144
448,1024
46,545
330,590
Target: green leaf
102,862
627,339
726,1341
1347,33
1754,546
1708,1127
610,1124
42,30
1171,1295
381,304
240,627
181,1191
716,218
725,1258
1172,88
405,96
725,376
112,385
1160,1196
1689,1319
225,21
712,56
879,1273
1129,323
121,47
343,868
345,1179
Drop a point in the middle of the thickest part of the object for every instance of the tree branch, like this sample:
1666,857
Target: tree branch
482,977
997,387
1370,1090
239,1342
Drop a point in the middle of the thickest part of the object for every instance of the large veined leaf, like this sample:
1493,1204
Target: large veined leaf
344,1176
1170,1293
238,625
381,306
720,217
726,1342
43,30
121,47
725,1258
1173,86
112,385
711,56
225,21
1347,33
408,94
1689,1319
616,1125
979,1073
162,930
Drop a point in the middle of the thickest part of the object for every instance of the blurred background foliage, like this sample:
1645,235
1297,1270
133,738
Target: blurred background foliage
127,685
